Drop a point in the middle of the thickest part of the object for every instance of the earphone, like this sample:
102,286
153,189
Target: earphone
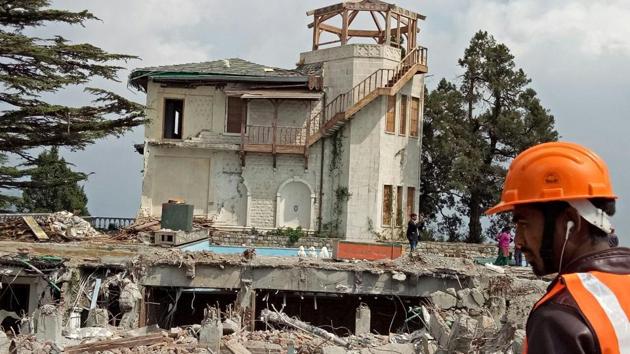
570,225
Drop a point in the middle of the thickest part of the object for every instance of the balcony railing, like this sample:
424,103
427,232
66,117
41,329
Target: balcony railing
278,135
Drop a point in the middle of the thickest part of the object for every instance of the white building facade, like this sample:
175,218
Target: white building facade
332,146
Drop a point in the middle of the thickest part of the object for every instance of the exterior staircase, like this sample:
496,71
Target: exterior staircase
383,82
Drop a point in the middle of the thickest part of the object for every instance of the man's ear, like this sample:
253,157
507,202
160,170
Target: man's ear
571,220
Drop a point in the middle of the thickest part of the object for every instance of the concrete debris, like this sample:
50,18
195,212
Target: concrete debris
443,300
129,301
495,268
463,333
462,308
211,330
5,342
231,325
48,324
519,339
72,226
89,332
97,318
399,276
362,320
439,329
61,226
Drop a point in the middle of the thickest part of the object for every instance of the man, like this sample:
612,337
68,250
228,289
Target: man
412,232
561,199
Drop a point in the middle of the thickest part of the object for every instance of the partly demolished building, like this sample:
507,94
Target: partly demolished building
331,146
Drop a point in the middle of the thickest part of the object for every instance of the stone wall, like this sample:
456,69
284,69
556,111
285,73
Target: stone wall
452,249
240,239
446,249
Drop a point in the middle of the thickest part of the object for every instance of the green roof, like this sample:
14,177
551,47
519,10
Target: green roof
233,69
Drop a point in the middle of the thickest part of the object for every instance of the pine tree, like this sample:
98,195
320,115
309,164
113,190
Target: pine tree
31,66
63,191
474,130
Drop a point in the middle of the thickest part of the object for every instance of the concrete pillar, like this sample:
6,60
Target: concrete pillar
48,324
97,318
362,320
210,334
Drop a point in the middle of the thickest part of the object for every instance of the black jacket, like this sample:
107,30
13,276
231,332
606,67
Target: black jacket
558,326
412,230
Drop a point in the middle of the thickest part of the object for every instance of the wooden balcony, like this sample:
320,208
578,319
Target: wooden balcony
274,140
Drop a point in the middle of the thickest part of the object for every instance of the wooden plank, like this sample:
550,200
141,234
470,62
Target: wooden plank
117,343
344,28
34,226
330,28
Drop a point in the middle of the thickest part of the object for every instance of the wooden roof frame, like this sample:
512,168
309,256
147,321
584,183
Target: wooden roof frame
405,21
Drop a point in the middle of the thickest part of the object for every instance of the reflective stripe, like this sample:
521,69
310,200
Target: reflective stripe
611,306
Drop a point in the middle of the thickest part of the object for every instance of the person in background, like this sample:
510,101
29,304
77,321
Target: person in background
504,240
613,240
518,256
412,232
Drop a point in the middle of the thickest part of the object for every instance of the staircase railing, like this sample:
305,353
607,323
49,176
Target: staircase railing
381,78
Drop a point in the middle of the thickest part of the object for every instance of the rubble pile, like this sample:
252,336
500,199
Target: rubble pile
61,226
70,225
488,318
143,228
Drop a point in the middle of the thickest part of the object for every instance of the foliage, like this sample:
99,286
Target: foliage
32,66
472,132
63,191
294,235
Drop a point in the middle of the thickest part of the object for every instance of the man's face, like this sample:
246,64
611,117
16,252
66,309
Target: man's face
529,223
414,218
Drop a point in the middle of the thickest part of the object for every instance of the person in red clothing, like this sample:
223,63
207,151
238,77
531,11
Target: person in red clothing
561,199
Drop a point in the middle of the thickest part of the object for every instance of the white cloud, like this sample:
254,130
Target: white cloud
594,28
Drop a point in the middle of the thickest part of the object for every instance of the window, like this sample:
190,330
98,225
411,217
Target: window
390,119
415,114
403,114
236,112
411,200
399,206
387,205
173,118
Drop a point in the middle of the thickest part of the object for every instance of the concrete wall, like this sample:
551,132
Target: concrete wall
444,249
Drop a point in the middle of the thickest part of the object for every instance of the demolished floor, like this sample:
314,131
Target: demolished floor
109,296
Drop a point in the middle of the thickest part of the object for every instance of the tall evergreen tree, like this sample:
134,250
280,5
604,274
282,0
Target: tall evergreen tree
63,191
489,119
31,66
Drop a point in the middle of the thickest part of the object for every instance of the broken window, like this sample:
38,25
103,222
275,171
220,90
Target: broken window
403,114
390,121
173,118
387,204
411,197
399,206
415,115
236,113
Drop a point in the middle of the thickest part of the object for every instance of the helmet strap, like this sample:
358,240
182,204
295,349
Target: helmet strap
595,216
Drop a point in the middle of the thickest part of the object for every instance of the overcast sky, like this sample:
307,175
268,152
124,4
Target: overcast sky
576,53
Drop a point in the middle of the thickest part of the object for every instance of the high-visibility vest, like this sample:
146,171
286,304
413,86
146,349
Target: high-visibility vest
604,300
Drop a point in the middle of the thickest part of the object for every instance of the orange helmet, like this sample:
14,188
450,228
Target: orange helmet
557,171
